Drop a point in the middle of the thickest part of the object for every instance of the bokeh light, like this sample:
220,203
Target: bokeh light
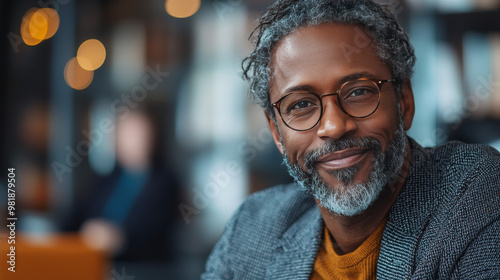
26,27
91,54
77,77
51,17
182,8
38,25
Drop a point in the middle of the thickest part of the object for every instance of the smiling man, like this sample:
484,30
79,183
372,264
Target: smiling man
333,78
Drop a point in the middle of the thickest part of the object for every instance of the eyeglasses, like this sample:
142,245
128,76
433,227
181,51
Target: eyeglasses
302,111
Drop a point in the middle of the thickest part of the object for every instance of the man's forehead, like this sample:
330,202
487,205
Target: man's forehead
330,47
339,38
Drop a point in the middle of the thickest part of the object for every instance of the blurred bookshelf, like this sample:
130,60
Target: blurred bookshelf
457,79
474,37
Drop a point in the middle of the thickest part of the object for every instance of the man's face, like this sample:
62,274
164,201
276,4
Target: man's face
343,161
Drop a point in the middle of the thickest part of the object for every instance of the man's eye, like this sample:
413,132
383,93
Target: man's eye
357,93
301,105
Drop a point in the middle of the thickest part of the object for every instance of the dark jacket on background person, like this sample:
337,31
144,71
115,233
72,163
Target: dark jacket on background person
148,219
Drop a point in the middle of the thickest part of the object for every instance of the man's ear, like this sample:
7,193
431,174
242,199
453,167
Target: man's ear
407,103
275,132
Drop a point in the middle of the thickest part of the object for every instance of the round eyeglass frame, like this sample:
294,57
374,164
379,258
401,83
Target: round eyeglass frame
378,83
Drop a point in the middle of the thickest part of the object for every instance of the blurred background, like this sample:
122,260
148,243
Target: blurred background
133,139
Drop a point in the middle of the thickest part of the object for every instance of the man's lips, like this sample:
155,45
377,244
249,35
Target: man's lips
342,159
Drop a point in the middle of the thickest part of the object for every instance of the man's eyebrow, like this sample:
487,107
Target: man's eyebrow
355,76
344,79
299,88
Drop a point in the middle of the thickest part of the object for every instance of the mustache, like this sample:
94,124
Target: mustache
331,146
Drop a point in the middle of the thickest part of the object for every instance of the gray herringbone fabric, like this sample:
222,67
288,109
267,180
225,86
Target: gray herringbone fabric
445,224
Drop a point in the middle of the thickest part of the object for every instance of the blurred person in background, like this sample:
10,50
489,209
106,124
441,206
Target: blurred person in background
333,78
130,214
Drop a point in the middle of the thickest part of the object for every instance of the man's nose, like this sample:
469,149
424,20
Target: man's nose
334,123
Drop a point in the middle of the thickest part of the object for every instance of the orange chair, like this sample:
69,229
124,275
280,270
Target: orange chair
57,257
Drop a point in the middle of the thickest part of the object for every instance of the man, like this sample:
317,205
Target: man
333,78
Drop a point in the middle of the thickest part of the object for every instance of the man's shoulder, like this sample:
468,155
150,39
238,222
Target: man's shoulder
448,179
267,215
474,167
467,155
456,164
264,221
474,172
457,170
454,193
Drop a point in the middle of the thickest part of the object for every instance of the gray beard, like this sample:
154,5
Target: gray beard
348,198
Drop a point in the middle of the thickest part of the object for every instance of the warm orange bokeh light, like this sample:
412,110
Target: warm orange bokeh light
26,27
182,8
91,54
52,18
77,77
38,25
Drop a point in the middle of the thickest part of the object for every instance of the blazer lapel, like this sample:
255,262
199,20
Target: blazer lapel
408,218
296,250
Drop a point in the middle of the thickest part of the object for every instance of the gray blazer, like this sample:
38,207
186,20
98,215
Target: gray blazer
445,224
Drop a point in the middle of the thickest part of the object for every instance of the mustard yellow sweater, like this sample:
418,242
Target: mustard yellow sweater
361,264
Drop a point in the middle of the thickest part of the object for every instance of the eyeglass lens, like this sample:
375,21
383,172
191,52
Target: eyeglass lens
302,111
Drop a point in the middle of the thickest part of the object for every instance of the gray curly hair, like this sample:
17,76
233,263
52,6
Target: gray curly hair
392,45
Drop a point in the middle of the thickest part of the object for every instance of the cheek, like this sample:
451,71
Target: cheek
382,124
296,144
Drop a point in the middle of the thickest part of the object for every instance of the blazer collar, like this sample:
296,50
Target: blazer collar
410,215
296,250
414,204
